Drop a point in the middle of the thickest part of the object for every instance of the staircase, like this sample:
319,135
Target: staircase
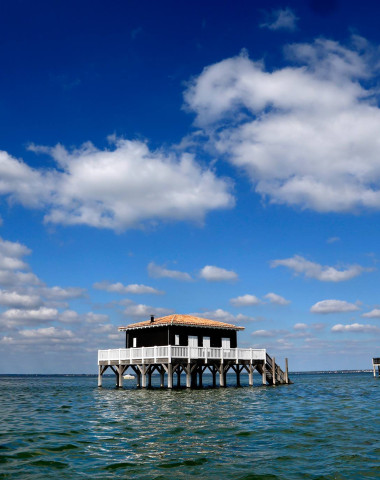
270,372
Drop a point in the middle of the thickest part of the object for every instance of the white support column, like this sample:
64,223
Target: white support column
188,375
162,377
120,376
286,371
264,374
143,376
221,375
170,375
100,375
250,375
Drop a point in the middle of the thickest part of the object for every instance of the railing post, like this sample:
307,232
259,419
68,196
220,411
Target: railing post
237,355
119,355
169,353
155,354
130,355
205,349
109,356
188,354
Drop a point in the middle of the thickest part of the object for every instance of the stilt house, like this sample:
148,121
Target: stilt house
178,344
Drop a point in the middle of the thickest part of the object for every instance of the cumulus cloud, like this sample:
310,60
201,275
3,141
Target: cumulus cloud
277,299
287,127
324,273
333,306
14,299
145,311
245,301
375,313
300,326
355,327
158,271
125,289
60,293
268,333
224,316
217,274
117,188
281,19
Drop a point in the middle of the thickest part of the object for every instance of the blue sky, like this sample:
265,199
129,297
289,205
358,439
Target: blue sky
214,158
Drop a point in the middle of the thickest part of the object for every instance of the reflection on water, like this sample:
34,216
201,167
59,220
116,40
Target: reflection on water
322,427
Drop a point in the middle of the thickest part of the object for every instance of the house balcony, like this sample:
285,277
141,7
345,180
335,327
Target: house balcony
182,354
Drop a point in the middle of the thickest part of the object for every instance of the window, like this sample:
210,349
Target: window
226,343
206,342
176,340
193,341
134,342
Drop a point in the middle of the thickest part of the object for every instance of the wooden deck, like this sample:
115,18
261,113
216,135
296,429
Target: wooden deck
193,361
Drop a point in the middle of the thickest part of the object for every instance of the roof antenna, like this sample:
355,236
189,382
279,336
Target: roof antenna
151,318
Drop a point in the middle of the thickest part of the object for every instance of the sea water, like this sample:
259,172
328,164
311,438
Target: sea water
324,426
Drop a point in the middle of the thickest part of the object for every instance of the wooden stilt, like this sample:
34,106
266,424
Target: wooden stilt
188,375
100,375
143,375
120,372
162,377
149,373
273,371
264,374
179,376
250,375
170,375
237,376
222,378
200,374
213,376
286,371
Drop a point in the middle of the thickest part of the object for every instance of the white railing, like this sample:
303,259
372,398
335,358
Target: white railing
134,355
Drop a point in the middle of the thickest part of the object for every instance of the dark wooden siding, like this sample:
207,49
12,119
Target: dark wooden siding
149,337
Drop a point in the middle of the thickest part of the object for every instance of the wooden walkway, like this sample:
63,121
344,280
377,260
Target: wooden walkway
172,361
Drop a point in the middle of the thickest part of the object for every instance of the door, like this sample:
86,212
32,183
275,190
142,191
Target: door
226,343
193,346
206,342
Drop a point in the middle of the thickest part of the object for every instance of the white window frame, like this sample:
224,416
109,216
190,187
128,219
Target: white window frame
176,339
134,342
207,342
226,342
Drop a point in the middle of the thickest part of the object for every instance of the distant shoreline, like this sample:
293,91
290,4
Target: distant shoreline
317,372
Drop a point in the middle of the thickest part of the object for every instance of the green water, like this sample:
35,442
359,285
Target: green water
322,427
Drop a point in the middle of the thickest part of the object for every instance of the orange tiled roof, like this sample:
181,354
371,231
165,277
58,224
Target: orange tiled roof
187,320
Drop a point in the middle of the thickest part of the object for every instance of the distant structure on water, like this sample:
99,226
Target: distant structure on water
376,363
178,344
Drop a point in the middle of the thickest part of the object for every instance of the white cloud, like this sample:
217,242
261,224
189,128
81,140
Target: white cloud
355,327
125,289
118,188
223,316
281,19
217,274
59,293
145,311
375,313
245,301
333,240
300,326
333,306
277,299
268,333
14,299
157,271
324,273
287,128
